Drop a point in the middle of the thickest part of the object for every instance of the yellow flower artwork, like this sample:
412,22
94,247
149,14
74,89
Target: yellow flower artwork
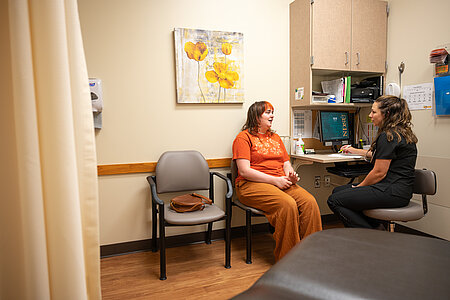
209,66
221,74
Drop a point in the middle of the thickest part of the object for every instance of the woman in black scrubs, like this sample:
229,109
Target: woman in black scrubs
393,155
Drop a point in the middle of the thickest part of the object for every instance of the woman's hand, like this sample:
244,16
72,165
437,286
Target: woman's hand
282,182
348,149
293,177
290,173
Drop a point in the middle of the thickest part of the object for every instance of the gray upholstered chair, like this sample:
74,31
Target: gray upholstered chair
424,184
178,171
249,213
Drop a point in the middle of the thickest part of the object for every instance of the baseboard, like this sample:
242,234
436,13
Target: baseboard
219,234
191,238
177,240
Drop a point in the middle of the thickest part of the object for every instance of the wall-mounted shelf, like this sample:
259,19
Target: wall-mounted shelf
331,106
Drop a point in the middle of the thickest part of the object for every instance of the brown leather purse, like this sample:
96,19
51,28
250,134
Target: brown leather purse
189,202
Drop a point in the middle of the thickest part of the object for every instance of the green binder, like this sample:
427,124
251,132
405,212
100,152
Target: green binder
348,85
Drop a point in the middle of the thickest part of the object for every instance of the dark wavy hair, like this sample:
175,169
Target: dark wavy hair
396,120
253,116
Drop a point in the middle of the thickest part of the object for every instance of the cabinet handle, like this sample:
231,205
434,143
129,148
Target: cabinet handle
357,58
346,57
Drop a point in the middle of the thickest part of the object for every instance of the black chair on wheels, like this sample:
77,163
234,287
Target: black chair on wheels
424,184
178,171
249,213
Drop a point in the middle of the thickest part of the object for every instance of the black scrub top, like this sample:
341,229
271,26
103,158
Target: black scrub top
400,176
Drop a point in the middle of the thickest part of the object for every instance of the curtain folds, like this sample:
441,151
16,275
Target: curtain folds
51,247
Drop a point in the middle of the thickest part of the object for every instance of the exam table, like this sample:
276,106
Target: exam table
353,263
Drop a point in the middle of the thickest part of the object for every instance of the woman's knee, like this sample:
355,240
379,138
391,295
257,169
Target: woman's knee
336,189
332,201
287,204
308,197
303,196
341,188
310,203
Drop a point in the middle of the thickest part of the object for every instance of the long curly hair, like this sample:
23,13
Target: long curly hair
396,120
254,114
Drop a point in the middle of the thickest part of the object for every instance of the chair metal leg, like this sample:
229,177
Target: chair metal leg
209,234
162,251
228,234
248,221
391,226
154,226
228,243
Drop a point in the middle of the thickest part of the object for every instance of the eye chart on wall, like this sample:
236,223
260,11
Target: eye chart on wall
419,96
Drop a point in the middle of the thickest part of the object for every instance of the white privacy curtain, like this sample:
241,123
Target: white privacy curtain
49,199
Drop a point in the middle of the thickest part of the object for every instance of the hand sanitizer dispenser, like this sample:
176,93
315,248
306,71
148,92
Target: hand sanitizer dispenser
95,85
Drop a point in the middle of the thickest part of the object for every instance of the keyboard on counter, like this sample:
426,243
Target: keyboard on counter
351,171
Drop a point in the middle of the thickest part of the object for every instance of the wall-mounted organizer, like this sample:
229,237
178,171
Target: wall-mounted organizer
440,58
442,95
95,85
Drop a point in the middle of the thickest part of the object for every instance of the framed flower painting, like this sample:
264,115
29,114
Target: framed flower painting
209,66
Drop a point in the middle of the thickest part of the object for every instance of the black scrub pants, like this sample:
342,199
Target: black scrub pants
347,203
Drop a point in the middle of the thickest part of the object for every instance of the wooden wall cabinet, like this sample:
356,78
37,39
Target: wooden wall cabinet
335,38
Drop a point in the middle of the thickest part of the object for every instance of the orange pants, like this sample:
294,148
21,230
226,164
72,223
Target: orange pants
293,212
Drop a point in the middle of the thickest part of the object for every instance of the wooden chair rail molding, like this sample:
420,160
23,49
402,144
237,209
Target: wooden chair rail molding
149,167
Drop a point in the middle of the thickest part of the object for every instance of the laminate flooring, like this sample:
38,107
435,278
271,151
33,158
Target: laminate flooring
193,271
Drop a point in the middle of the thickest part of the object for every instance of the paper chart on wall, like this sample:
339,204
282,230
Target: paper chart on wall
302,123
419,96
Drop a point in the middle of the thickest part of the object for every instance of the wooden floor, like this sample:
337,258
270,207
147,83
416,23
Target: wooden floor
193,271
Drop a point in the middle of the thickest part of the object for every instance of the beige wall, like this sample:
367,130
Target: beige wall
129,45
415,28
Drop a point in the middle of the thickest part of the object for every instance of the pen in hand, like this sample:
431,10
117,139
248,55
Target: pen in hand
343,147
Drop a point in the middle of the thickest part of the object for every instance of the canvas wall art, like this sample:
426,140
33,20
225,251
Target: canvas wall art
209,66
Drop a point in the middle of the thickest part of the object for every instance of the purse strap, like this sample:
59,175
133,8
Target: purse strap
205,199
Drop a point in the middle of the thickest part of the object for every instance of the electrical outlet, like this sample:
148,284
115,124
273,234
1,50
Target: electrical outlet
327,180
317,182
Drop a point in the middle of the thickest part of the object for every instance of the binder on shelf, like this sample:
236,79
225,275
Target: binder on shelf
344,79
348,89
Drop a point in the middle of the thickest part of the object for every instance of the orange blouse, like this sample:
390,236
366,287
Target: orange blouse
266,152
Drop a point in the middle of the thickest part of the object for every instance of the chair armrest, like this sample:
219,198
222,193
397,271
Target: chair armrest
228,181
155,198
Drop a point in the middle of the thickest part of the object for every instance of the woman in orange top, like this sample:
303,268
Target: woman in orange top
267,181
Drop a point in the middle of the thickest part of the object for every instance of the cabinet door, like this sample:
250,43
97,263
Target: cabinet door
369,30
331,34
